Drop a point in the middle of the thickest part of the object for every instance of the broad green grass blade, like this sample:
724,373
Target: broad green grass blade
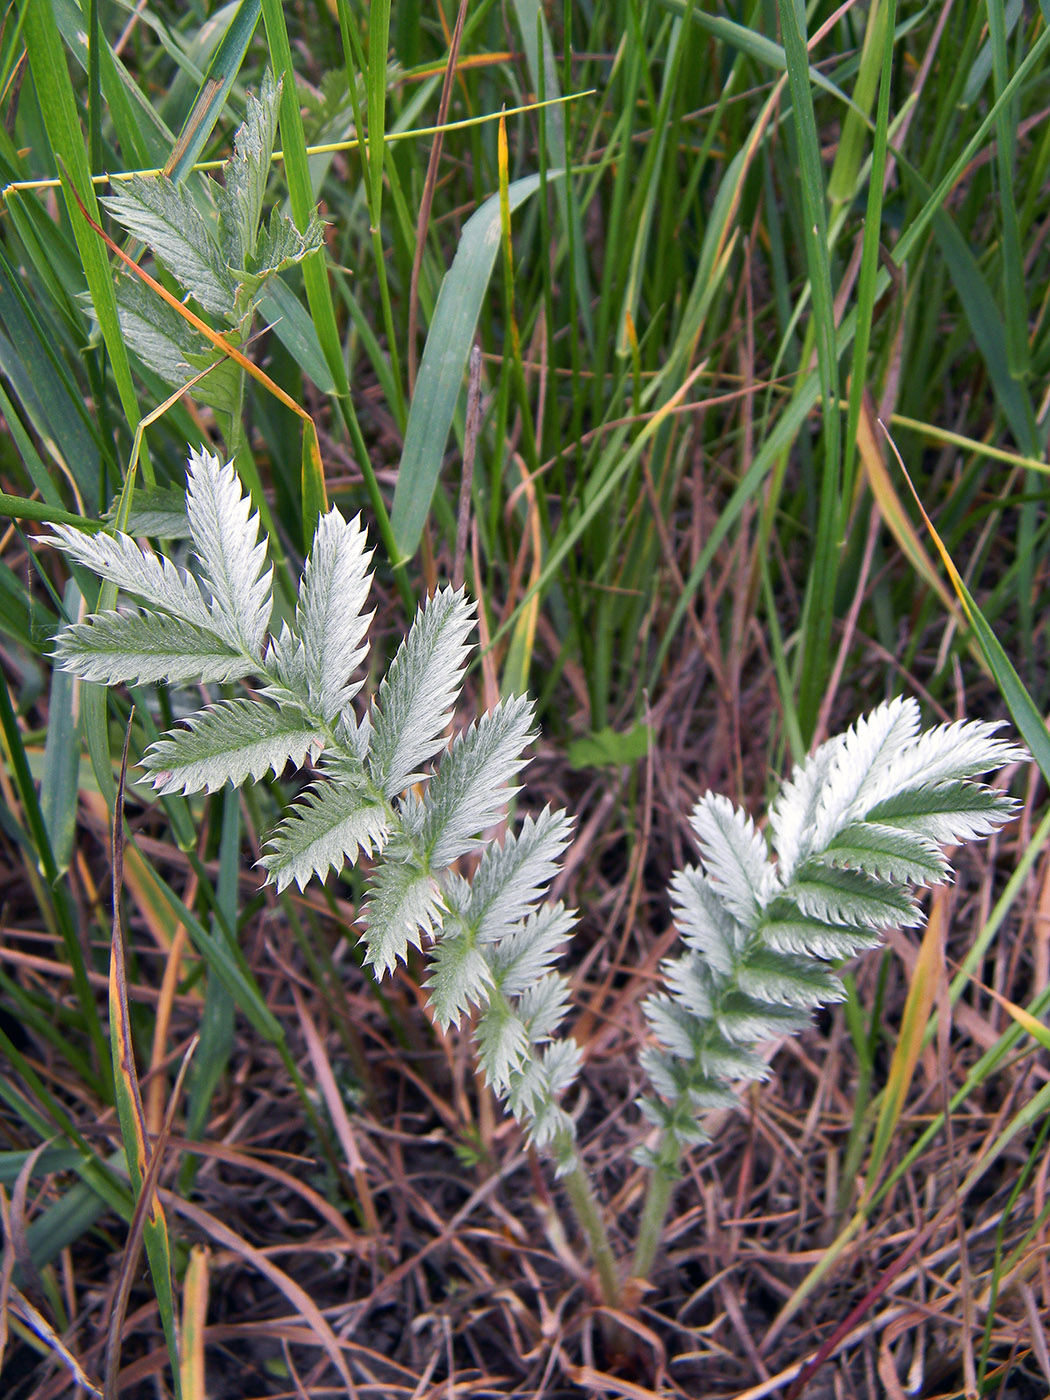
1006,122
212,96
819,609
51,78
444,364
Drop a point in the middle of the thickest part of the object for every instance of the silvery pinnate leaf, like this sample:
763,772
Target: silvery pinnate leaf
404,907
502,1042
414,703
949,753
851,897
279,245
529,951
165,216
329,616
789,931
720,1058
673,1025
886,853
228,743
535,1088
119,559
543,1005
168,345
246,172
704,920
226,538
861,757
793,813
788,980
460,976
946,813
694,985
469,791
512,876
744,1019
133,647
736,860
327,826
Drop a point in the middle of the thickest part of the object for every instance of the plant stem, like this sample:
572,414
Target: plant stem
654,1213
589,1216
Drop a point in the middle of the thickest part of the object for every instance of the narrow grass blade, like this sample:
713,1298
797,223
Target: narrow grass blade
444,364
129,1100
215,89
1023,709
59,784
51,78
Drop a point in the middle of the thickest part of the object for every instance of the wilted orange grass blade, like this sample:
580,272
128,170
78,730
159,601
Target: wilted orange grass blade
296,1295
892,509
917,1011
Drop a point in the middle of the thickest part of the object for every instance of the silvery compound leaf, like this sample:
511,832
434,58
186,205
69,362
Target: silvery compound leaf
329,825
228,743
512,876
404,907
947,813
118,559
887,853
329,617
165,216
469,791
460,976
141,648
226,537
736,861
502,1042
529,951
860,757
245,174
414,704
705,921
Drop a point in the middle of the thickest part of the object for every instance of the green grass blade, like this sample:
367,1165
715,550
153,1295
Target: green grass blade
54,90
214,91
444,364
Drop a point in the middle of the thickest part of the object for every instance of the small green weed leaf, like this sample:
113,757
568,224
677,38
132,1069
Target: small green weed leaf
166,218
609,748
228,743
